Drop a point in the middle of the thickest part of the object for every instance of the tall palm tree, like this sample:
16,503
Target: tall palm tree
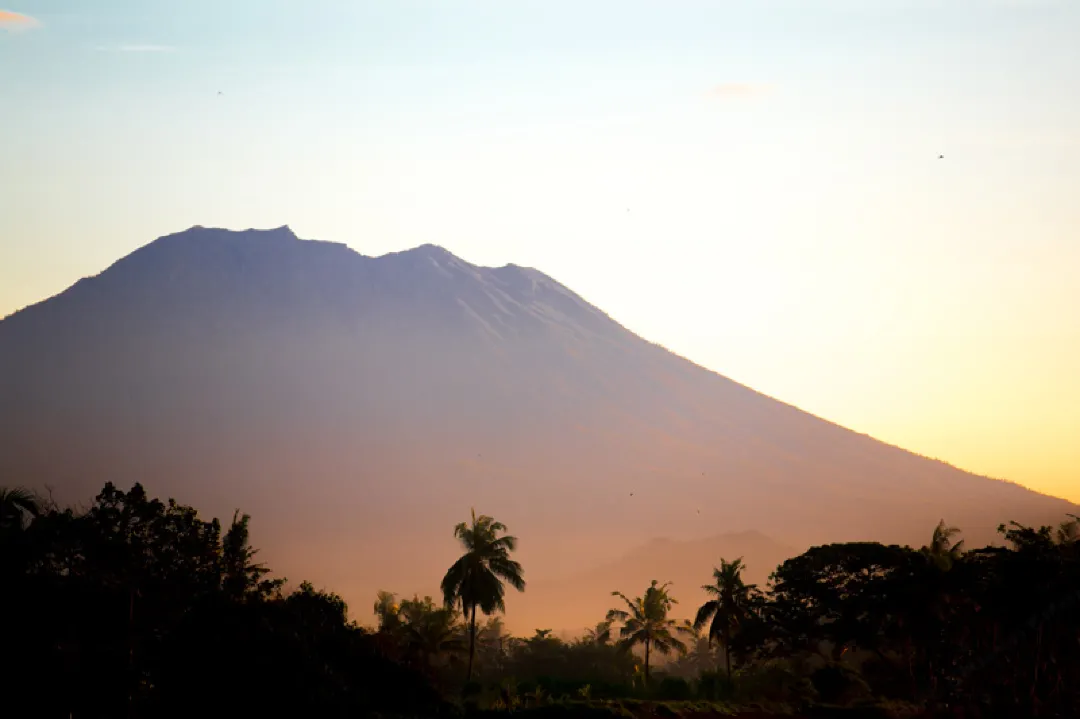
1069,531
728,608
16,505
476,579
942,550
645,621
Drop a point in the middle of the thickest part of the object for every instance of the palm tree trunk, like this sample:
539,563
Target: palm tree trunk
727,652
131,651
1035,678
646,662
472,642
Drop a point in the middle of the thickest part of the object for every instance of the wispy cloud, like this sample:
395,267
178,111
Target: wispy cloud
15,22
739,91
135,48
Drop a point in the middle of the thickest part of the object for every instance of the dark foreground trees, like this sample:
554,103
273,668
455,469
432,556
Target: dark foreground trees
139,608
996,628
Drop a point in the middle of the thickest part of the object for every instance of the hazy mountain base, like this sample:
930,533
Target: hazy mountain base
141,604
357,406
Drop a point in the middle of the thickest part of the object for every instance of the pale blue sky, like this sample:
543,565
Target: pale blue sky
799,235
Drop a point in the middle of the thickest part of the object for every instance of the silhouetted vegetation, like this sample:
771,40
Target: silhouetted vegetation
136,607
476,579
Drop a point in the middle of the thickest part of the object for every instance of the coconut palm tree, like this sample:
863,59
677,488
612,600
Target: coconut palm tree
16,506
728,608
645,621
1069,531
942,551
475,581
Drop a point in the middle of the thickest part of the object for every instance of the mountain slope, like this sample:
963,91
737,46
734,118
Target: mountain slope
358,406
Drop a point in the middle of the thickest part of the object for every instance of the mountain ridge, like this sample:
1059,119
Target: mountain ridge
428,250
326,392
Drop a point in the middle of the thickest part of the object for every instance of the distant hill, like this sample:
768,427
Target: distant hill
687,564
357,407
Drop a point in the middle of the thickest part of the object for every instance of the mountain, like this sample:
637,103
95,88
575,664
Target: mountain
358,407
686,564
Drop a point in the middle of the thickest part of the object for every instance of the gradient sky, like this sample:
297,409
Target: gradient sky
754,184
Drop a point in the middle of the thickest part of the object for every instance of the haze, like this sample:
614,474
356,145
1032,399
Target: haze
358,406
754,185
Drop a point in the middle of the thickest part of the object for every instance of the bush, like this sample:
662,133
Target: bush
674,689
713,686
774,682
836,684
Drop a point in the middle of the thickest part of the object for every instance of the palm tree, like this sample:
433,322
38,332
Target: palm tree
476,579
647,622
1069,531
699,656
728,608
942,550
16,505
600,634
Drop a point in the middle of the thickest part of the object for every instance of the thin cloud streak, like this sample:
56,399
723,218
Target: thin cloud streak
16,22
135,48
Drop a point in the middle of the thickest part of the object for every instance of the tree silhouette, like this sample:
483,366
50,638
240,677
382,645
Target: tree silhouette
388,611
645,621
17,505
1068,532
942,550
728,608
429,631
600,634
475,581
241,576
140,607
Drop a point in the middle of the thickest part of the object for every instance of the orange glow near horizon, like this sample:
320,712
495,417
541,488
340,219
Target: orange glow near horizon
875,221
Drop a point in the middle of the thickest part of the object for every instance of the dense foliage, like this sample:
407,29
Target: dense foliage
135,607
139,608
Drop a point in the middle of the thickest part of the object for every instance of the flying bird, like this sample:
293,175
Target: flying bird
941,157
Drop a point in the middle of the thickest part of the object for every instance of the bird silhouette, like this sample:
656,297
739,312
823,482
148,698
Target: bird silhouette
941,157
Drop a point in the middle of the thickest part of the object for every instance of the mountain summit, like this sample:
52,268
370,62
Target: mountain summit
358,406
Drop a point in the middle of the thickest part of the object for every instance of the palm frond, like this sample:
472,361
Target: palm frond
706,612
616,615
455,578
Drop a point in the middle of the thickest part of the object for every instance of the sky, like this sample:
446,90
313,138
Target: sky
756,185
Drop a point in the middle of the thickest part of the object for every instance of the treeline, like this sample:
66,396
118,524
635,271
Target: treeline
136,607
